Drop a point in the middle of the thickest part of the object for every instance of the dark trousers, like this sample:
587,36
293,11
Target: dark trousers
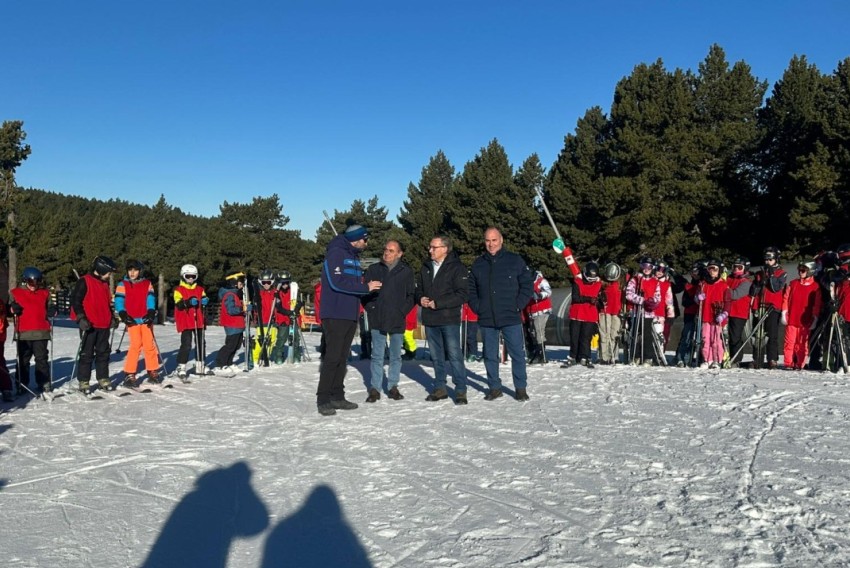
471,338
27,350
581,334
186,338
95,348
338,337
736,338
229,349
771,330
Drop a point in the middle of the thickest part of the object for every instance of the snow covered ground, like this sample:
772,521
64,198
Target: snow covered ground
607,467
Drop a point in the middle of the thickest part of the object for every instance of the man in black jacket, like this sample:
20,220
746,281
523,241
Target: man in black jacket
387,309
441,292
500,286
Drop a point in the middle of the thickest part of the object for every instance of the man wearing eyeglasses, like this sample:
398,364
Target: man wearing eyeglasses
442,290
500,286
342,289
387,311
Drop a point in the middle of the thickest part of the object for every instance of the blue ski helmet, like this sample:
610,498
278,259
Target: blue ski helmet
32,275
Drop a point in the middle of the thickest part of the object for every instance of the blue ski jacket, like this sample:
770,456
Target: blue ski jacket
342,281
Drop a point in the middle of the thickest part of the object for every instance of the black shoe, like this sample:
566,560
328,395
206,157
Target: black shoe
326,409
460,398
439,394
568,363
521,394
772,365
408,355
343,404
374,396
394,394
493,394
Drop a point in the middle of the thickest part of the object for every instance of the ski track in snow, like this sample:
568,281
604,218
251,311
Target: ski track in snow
614,466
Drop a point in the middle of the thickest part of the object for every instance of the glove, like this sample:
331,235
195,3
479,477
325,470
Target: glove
181,305
193,302
116,321
283,311
149,317
298,307
16,309
784,317
650,304
700,297
52,310
84,323
769,270
832,306
125,317
721,317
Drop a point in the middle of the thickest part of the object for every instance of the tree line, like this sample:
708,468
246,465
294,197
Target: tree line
685,164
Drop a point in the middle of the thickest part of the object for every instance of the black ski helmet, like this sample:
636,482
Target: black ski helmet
136,264
771,253
662,266
267,276
612,272
742,261
843,253
284,277
590,272
646,261
103,265
714,262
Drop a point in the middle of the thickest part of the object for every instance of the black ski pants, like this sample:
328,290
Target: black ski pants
94,348
581,334
338,337
27,349
736,338
186,338
229,349
771,330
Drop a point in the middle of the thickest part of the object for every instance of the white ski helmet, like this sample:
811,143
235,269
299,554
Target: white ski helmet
190,269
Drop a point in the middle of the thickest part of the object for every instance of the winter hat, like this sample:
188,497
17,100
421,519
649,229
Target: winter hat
355,233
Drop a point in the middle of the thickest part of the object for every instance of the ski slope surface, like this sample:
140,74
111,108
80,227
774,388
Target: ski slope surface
608,467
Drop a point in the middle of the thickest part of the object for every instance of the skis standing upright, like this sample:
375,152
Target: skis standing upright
293,341
246,340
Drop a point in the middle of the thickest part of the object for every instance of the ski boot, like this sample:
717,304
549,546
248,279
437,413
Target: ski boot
104,384
85,387
154,377
181,372
130,381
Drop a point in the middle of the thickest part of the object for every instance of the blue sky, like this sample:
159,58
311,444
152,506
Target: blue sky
323,102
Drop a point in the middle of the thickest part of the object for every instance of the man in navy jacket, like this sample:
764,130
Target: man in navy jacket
500,286
342,288
442,291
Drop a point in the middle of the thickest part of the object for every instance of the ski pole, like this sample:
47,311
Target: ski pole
558,244
121,341
328,219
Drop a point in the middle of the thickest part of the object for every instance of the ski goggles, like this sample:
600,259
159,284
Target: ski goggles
646,266
188,277
266,282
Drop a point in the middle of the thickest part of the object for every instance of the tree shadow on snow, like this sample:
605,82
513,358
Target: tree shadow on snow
317,535
199,532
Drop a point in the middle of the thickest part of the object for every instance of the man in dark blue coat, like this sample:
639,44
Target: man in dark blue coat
500,286
442,291
342,288
387,311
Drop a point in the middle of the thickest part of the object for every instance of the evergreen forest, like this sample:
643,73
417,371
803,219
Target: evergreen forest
685,164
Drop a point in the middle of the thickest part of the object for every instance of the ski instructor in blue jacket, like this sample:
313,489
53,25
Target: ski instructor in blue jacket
500,286
342,289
